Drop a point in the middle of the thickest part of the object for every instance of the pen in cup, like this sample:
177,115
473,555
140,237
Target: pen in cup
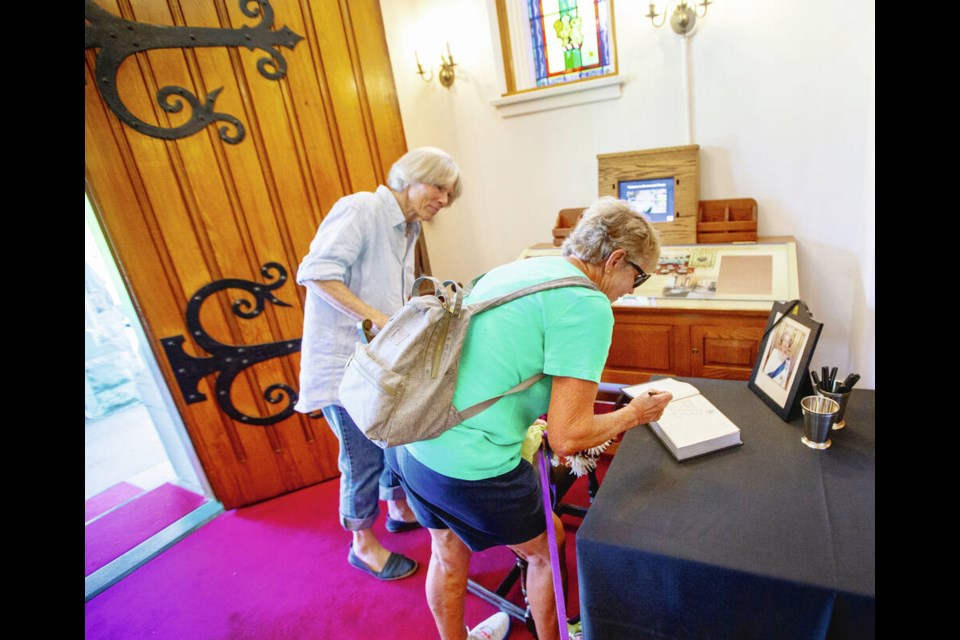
850,381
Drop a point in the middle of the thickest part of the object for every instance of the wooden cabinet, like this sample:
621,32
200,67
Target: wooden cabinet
702,343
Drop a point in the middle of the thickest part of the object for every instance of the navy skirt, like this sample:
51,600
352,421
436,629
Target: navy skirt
503,510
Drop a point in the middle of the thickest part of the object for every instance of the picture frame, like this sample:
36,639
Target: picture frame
780,374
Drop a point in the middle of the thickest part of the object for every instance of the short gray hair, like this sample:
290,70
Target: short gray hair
610,224
426,165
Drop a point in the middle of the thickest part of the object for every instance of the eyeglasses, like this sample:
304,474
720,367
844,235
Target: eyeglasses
642,276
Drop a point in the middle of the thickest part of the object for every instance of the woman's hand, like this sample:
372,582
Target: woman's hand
379,322
575,427
649,405
338,296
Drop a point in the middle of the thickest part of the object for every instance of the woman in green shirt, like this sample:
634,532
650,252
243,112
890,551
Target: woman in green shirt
469,486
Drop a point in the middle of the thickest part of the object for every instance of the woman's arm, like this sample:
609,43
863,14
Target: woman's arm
573,426
338,296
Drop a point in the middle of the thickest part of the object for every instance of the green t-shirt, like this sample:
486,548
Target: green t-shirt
562,332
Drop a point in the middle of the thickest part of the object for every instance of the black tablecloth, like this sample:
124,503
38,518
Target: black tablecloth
768,540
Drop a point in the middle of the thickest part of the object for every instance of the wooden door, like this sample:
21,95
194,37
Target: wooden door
194,213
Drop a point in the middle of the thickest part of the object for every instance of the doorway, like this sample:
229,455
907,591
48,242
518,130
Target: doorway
144,488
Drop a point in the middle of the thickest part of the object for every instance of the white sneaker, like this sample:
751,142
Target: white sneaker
496,627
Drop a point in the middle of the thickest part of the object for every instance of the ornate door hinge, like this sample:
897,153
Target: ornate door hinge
118,38
227,360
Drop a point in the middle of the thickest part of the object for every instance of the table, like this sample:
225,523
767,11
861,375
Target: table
768,540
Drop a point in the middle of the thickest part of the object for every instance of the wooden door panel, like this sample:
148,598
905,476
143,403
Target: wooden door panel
181,214
641,346
726,352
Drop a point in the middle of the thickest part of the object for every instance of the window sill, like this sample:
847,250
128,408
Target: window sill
557,97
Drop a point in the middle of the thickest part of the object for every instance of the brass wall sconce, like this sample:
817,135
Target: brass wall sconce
446,75
684,16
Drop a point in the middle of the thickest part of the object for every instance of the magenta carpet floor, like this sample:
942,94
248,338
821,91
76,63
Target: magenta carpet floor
120,522
278,571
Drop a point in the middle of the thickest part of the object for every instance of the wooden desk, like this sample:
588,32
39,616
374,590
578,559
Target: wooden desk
768,540
655,334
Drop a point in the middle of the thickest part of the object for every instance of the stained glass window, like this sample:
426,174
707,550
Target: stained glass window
570,39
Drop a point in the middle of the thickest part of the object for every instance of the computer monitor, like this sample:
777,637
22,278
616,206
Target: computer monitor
653,197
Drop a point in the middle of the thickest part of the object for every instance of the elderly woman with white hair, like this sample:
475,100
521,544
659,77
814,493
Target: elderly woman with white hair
470,486
361,265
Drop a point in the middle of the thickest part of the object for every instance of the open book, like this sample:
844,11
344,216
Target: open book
690,425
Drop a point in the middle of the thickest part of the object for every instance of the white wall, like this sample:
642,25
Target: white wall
783,111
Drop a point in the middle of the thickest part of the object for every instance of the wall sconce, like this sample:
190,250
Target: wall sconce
684,16
446,75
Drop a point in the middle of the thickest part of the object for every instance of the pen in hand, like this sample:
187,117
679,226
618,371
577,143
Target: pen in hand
652,409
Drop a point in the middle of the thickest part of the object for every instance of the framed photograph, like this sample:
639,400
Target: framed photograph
780,375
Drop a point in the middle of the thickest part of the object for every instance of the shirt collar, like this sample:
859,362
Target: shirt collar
386,197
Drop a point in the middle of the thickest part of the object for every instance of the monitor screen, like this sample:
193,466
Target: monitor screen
653,198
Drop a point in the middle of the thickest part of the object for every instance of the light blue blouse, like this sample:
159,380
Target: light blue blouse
362,243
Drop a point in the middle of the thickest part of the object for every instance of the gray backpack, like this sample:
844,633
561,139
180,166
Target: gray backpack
399,387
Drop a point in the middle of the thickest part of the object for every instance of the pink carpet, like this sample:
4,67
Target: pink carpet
117,531
278,570
106,500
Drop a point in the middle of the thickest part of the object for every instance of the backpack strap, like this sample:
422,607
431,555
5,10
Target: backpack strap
415,289
469,412
452,303
571,281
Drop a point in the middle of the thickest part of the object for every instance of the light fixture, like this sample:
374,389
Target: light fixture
446,75
684,16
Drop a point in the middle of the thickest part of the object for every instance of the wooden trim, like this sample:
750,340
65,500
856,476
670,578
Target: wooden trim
506,46
649,152
521,92
700,316
613,40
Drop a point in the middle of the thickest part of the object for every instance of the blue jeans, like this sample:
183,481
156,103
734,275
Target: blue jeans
364,478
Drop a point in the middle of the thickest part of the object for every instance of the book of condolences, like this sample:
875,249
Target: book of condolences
690,425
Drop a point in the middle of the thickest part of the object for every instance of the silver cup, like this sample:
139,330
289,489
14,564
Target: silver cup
819,413
841,399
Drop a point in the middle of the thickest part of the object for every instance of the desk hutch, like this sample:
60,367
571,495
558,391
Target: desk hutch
691,331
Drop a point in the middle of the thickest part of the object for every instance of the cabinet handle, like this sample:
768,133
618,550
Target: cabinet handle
694,350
